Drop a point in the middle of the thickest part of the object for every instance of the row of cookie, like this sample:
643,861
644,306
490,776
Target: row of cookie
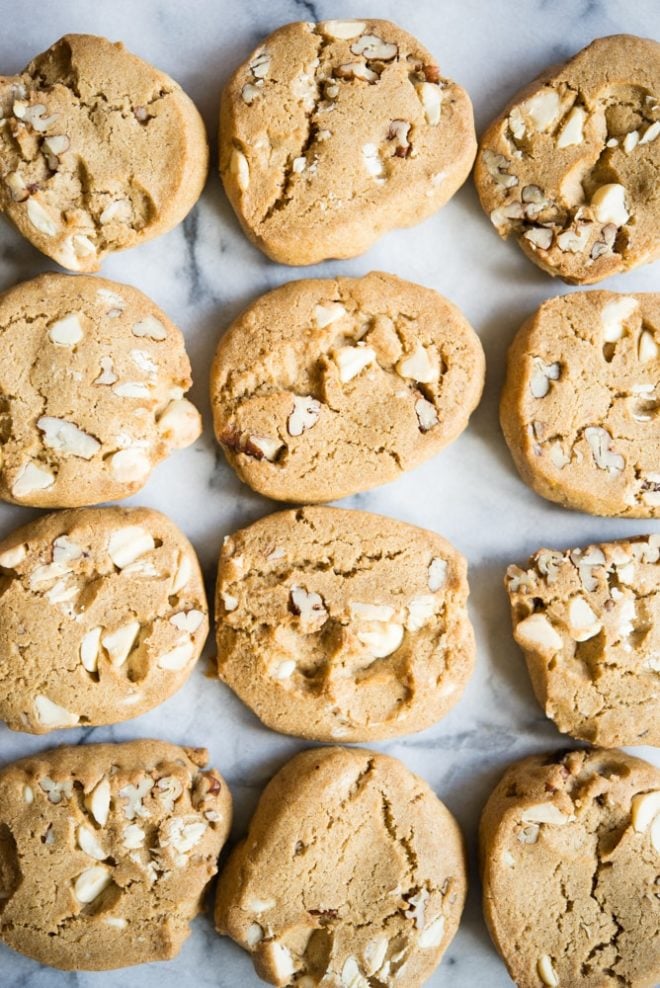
331,624
111,846
331,134
93,377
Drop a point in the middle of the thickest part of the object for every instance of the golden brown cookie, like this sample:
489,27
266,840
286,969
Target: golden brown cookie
102,617
105,851
92,379
569,168
343,624
99,151
588,621
580,405
323,388
569,854
335,821
332,134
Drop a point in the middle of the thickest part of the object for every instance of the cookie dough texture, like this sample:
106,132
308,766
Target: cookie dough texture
588,621
105,851
332,134
570,167
335,821
323,388
580,406
569,853
343,624
102,617
92,379
99,151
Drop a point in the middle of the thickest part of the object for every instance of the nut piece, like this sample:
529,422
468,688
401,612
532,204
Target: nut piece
546,972
545,813
32,478
324,315
66,331
89,885
647,349
180,423
178,657
118,644
418,366
89,649
614,315
600,443
437,573
542,374
130,466
41,219
373,162
66,437
496,165
352,359
426,414
430,96
343,30
381,638
582,621
149,327
537,633
128,544
239,168
305,415
431,935
88,843
609,204
13,557
572,131
98,802
373,47
308,605
542,109
645,807
50,714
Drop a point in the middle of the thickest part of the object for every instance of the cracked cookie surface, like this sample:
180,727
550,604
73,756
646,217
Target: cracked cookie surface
99,151
332,134
105,851
352,873
570,167
92,379
580,408
569,855
102,617
588,621
323,388
343,624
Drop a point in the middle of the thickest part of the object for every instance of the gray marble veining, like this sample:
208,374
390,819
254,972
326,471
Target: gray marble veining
203,273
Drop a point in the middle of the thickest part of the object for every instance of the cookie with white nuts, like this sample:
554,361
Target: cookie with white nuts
322,388
92,379
570,167
102,617
588,621
335,819
580,408
105,851
332,134
99,151
343,624
570,846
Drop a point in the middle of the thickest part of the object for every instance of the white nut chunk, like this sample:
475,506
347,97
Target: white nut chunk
51,714
545,813
128,544
180,423
240,169
305,415
609,204
149,327
496,165
88,843
380,638
546,972
600,443
432,935
373,47
119,644
582,621
41,218
373,161
644,810
98,802
325,315
542,109
89,885
130,466
615,315
536,632
421,611
89,649
430,96
32,478
418,366
542,374
427,416
572,131
343,30
66,331
437,573
66,437
308,605
178,657
13,557
351,360
647,348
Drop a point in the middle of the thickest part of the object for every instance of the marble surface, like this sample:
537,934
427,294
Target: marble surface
203,273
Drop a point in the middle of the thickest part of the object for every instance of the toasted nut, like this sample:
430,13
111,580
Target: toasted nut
572,131
546,972
51,714
609,204
537,632
600,443
98,802
426,414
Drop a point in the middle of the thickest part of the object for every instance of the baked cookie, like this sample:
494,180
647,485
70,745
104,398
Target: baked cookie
588,621
580,408
99,151
343,624
102,617
323,388
570,167
335,819
105,851
332,134
92,378
569,857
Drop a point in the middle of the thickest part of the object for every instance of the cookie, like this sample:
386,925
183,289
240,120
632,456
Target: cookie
569,856
99,151
332,134
570,167
323,388
105,851
343,624
588,621
102,617
580,406
92,378
335,819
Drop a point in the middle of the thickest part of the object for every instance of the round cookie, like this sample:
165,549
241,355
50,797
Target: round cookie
569,168
92,378
588,621
569,854
323,388
105,851
102,617
580,403
99,151
343,624
332,134
335,819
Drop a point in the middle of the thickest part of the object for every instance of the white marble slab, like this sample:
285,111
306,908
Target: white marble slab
203,273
